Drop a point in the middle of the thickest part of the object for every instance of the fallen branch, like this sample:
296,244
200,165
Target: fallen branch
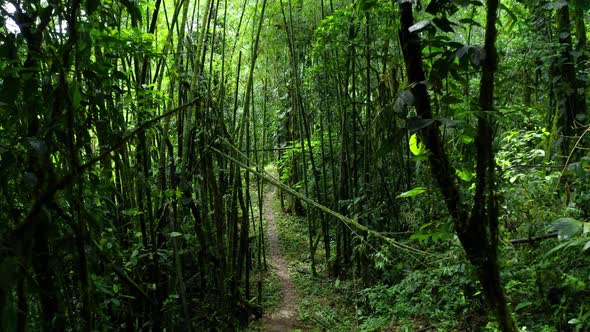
350,223
534,238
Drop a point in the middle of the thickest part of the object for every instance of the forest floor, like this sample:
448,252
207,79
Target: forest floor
293,298
285,317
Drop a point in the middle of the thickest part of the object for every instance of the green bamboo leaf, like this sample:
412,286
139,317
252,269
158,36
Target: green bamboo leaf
464,174
411,193
522,305
467,139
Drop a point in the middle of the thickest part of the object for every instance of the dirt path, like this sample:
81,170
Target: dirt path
286,316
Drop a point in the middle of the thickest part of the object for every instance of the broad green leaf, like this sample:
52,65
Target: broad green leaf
566,244
441,236
175,234
557,248
416,147
420,236
411,193
464,174
425,226
467,139
522,305
566,228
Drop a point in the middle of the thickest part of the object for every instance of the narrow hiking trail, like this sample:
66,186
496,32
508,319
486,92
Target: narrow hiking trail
300,301
285,317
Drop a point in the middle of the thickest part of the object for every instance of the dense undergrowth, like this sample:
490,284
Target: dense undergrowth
546,280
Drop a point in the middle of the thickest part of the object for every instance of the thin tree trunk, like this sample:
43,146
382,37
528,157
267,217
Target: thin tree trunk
568,100
581,43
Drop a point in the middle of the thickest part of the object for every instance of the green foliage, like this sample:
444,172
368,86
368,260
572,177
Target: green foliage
411,193
416,147
116,218
572,233
442,297
433,232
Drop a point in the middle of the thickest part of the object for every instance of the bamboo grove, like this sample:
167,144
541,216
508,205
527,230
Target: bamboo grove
134,137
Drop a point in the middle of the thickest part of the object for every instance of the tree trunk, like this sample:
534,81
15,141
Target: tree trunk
567,101
478,231
581,82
